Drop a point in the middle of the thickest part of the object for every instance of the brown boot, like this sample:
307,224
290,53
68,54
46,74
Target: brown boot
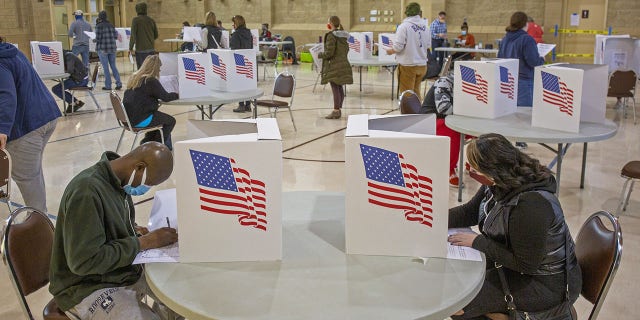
335,114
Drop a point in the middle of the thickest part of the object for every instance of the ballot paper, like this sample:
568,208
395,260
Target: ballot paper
170,83
163,212
91,35
192,34
459,252
545,48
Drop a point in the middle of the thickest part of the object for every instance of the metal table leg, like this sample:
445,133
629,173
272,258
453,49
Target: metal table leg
393,80
360,72
460,165
584,165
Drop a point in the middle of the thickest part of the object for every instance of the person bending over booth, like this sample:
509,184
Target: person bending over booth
96,238
523,233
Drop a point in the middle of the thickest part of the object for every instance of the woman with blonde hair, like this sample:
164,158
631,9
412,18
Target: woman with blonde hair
336,69
141,101
211,33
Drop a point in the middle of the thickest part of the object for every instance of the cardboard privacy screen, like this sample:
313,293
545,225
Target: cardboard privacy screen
47,57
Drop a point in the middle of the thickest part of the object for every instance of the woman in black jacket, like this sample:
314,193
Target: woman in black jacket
141,101
522,229
241,39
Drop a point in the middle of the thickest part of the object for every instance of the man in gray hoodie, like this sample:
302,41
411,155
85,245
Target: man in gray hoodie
80,39
412,41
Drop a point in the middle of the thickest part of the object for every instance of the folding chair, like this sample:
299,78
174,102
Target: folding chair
283,87
88,88
270,57
26,251
409,102
631,173
5,177
622,84
125,124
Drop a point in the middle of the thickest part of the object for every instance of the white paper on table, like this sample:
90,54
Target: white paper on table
170,83
545,48
91,35
459,252
164,207
192,34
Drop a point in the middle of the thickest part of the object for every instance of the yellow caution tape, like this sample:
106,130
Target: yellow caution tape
574,55
580,31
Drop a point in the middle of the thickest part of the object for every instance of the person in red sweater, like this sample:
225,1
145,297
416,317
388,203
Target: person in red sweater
534,30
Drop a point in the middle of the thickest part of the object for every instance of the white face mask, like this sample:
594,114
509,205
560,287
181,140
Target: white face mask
525,28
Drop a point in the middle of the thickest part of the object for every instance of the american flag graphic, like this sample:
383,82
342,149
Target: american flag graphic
557,93
49,54
193,70
474,84
507,83
386,41
128,33
243,65
119,36
367,42
394,183
226,188
218,66
354,44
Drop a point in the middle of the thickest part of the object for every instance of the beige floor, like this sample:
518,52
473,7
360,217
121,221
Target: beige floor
314,157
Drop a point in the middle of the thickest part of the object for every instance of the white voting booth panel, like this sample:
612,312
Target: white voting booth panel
124,36
47,57
360,45
397,186
192,75
232,70
254,39
229,191
485,89
224,39
566,94
385,41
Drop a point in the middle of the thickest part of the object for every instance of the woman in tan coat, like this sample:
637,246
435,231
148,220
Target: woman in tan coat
336,69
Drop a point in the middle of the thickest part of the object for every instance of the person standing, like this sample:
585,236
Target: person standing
106,36
143,34
241,39
211,33
410,47
28,117
439,35
534,30
517,44
336,69
80,39
141,101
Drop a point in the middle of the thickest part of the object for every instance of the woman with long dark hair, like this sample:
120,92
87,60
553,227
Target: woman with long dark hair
523,231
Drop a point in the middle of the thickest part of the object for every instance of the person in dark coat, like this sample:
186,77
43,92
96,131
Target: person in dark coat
241,39
141,101
336,69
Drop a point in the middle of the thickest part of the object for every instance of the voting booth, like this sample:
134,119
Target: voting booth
485,89
232,70
229,191
194,80
360,45
566,94
397,187
385,41
254,39
47,57
224,39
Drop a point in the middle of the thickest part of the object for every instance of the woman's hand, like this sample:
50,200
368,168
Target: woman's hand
462,239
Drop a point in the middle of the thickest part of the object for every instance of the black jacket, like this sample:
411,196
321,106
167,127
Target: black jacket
142,101
74,67
241,39
214,36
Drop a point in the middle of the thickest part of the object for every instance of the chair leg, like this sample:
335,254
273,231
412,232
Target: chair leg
95,101
316,83
120,140
623,196
135,139
634,110
161,136
293,121
626,201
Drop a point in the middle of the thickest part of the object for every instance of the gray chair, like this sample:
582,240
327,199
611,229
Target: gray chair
284,87
125,124
631,172
409,102
622,85
88,88
270,56
26,251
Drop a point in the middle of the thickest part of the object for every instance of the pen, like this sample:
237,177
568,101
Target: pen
168,224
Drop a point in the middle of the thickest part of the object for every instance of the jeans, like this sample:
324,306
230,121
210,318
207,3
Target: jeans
437,43
525,92
109,59
68,83
140,56
26,171
83,50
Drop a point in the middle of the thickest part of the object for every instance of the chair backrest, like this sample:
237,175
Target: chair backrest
121,113
409,102
284,85
598,250
5,175
26,248
272,53
94,76
622,83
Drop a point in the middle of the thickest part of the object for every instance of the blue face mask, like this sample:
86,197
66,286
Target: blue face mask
139,190
463,32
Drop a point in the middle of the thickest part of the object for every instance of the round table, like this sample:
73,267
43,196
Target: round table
517,127
316,279
219,98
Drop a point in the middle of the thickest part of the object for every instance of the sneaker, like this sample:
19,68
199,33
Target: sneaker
119,88
335,114
75,107
521,145
242,109
106,89
454,180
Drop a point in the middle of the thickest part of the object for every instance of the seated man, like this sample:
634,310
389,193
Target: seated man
78,77
96,239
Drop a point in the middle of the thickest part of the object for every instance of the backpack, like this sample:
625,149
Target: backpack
433,68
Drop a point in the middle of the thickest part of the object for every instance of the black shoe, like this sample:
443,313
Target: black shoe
119,88
75,107
241,109
106,89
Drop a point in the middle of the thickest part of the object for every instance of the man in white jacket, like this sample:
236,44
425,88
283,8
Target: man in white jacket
412,41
